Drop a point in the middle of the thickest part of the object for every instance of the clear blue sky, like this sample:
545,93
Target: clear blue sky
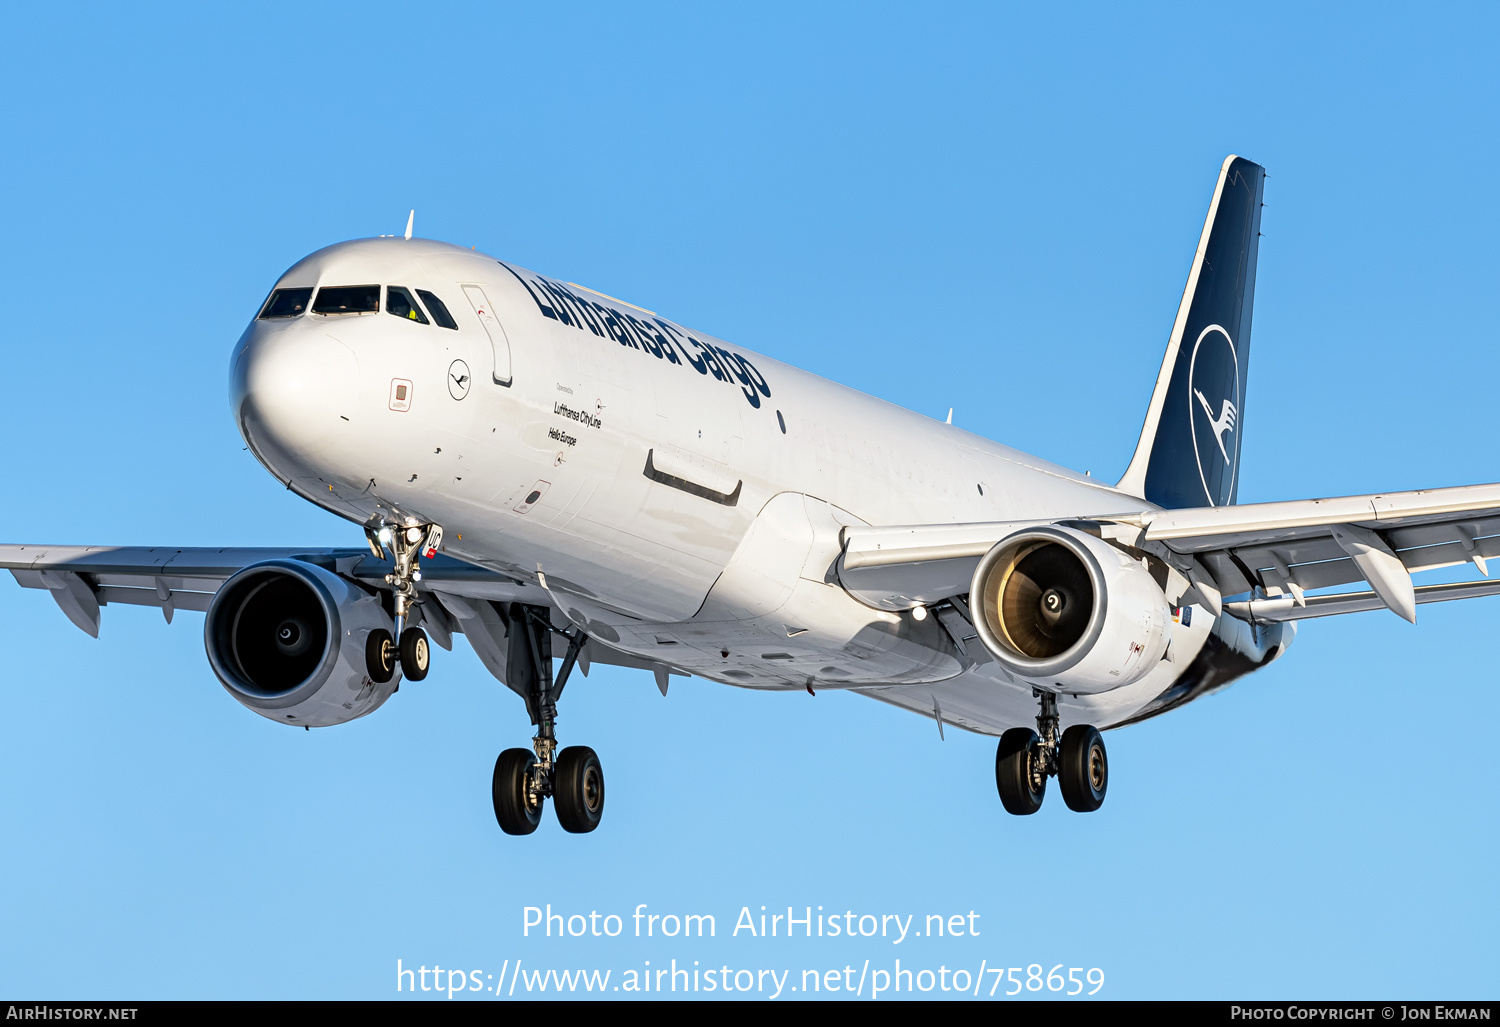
965,206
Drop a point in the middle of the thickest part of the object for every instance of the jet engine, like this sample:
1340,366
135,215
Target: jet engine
288,640
1057,606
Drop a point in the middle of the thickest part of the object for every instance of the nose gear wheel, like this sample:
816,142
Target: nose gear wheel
416,654
380,656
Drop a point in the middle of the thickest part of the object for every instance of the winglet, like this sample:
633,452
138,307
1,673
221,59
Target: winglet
409,219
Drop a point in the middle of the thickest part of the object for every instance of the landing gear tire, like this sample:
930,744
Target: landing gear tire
380,656
416,654
517,810
1083,773
1018,772
578,789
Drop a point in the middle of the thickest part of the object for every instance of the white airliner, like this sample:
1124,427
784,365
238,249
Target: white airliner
535,463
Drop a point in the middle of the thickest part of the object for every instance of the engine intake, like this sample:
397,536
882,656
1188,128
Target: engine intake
287,640
1058,606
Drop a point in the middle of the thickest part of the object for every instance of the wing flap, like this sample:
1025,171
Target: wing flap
1285,608
197,601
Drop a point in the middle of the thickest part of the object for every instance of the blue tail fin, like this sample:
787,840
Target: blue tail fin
1189,452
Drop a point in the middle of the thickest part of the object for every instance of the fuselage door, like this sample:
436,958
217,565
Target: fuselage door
498,341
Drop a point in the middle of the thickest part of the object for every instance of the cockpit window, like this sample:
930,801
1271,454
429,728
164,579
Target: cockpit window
438,308
399,302
286,303
348,299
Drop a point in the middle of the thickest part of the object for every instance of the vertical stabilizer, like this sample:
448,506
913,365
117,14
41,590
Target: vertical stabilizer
1189,452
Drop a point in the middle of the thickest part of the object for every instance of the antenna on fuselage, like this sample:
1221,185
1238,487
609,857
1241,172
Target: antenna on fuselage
409,219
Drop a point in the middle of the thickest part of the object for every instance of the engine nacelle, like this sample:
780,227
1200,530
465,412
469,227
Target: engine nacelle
1058,606
287,639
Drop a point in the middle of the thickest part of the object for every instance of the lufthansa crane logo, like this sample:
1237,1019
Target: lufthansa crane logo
1221,424
458,379
1214,411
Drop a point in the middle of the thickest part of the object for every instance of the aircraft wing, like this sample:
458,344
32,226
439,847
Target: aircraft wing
84,579
1282,550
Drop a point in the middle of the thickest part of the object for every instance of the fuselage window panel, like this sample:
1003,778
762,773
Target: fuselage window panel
347,299
286,303
438,309
399,302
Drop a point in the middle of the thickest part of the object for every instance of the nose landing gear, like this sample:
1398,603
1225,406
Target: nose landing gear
407,646
523,781
1026,758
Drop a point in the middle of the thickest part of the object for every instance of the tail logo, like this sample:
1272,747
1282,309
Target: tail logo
1221,424
1214,410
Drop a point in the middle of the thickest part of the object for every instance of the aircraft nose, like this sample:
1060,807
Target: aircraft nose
293,390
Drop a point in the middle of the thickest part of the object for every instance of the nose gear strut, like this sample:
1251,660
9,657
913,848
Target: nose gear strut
407,545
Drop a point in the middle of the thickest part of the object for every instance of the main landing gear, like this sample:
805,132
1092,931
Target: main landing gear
407,646
523,779
1026,759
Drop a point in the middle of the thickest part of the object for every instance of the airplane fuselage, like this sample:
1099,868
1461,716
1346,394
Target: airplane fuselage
679,497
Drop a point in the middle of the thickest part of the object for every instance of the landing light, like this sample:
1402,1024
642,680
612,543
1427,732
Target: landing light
919,613
384,535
